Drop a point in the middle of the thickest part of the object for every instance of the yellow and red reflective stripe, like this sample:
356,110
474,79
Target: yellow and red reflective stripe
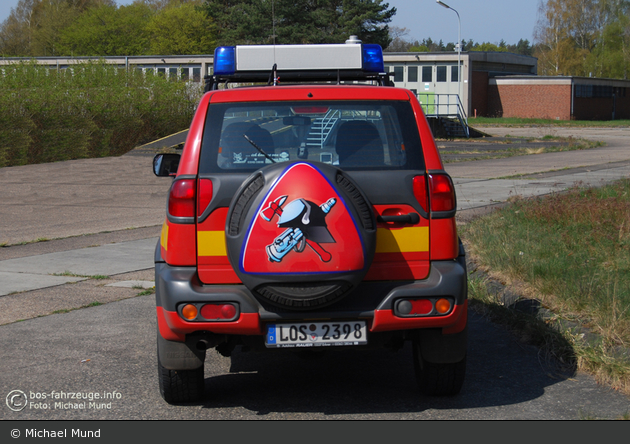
164,236
211,243
403,240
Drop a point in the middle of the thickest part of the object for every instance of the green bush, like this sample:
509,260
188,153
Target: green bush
88,110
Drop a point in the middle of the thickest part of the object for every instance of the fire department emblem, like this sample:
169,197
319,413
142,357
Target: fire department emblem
302,226
305,224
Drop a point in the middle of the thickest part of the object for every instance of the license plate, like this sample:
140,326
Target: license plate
316,334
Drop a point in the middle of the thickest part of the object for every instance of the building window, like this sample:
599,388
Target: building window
583,90
185,74
399,73
427,73
172,73
441,73
454,72
603,91
600,91
196,75
412,74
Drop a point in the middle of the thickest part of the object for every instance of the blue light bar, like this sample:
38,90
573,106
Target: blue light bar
229,60
224,60
373,58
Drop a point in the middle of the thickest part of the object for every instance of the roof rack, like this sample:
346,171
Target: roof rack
298,63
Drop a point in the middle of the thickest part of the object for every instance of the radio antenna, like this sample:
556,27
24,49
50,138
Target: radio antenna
273,24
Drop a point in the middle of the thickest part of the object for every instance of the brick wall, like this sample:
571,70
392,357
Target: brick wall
530,101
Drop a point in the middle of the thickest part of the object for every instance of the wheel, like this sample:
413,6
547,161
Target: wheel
180,386
438,379
300,235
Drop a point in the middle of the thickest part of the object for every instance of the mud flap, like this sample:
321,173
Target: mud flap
179,355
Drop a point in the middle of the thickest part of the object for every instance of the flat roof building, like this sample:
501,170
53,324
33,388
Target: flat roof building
493,84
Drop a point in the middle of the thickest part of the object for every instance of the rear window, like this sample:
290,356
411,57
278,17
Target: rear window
241,137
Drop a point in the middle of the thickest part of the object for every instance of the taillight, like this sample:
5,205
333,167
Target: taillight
423,307
442,192
218,312
181,200
212,312
189,312
204,195
420,191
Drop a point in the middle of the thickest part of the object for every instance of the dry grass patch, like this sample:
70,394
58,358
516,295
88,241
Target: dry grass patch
570,252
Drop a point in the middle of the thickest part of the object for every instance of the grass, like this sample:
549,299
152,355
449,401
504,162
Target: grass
146,292
513,149
570,253
89,276
517,121
68,310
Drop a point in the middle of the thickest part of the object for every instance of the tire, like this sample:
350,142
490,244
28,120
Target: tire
300,235
181,386
438,379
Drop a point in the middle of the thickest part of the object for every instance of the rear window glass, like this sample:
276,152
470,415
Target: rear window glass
353,135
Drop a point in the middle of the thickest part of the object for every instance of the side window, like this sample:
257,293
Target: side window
427,73
441,73
412,74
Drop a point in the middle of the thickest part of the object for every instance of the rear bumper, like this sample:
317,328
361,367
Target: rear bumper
178,285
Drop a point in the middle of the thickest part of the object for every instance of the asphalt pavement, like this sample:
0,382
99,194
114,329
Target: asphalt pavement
82,233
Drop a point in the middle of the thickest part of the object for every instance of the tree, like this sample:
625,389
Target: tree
523,47
398,42
489,47
158,5
611,57
15,31
578,37
53,16
109,31
33,28
181,29
299,21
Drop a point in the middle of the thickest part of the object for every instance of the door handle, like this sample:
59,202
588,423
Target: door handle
410,219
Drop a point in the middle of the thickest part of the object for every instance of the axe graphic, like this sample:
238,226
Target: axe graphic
323,254
275,207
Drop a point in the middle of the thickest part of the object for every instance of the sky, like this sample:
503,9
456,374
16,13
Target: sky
481,20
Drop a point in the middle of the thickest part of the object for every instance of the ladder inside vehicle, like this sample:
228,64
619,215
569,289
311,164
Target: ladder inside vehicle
321,129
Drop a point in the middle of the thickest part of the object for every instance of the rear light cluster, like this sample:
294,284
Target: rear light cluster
221,312
181,200
439,194
423,307
188,194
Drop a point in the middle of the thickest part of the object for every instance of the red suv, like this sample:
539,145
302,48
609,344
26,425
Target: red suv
310,211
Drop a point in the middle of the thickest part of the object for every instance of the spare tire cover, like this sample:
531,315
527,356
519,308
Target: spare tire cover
300,235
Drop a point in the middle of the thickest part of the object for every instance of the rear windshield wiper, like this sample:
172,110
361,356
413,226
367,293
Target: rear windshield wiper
260,150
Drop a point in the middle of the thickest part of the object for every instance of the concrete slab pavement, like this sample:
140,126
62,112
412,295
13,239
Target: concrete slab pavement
487,182
475,193
76,198
51,269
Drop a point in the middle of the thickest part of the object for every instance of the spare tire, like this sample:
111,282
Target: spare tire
300,235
